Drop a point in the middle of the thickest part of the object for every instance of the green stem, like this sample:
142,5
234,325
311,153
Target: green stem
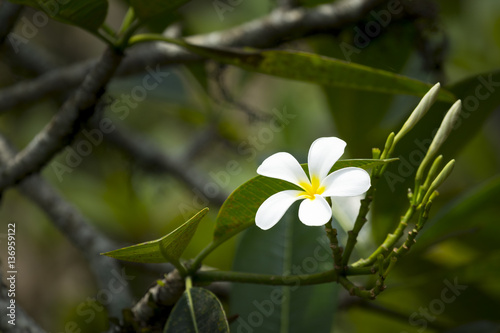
334,245
410,240
125,40
355,290
358,224
360,270
127,21
142,38
180,267
272,280
205,252
176,262
390,145
106,39
392,263
196,264
279,280
431,175
390,240
377,172
107,29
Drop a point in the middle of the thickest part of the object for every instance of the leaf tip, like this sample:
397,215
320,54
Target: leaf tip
107,254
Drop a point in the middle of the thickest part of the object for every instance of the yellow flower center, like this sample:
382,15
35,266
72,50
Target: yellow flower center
311,189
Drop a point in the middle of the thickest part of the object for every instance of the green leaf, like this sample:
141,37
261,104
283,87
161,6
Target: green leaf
289,248
165,249
201,304
238,211
87,14
318,69
389,51
146,9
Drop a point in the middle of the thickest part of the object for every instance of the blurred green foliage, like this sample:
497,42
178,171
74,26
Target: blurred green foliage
129,205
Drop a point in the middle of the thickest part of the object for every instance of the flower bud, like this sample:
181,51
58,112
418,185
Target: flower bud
439,180
446,126
442,134
423,106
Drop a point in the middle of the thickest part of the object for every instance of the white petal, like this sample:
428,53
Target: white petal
273,209
323,154
315,212
345,210
346,182
283,166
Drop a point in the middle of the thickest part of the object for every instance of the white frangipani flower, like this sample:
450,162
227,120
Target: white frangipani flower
314,209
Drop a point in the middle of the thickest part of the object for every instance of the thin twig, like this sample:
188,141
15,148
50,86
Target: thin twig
30,58
412,235
334,245
58,80
267,31
9,14
360,221
23,322
152,158
389,241
77,229
150,308
226,96
200,143
64,125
